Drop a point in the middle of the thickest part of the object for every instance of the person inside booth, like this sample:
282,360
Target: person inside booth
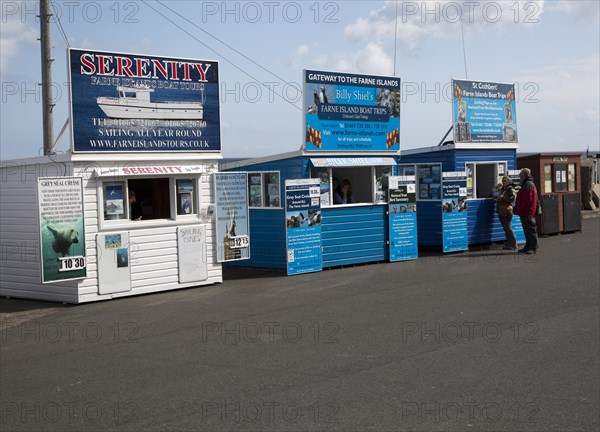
343,193
135,209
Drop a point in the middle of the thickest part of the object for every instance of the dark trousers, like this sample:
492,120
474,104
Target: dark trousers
511,241
530,231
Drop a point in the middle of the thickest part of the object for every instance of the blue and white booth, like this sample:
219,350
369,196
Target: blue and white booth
456,181
350,233
477,169
351,135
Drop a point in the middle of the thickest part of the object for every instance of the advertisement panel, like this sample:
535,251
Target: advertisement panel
454,211
142,103
191,253
484,112
62,228
516,221
348,112
303,225
402,205
113,260
233,233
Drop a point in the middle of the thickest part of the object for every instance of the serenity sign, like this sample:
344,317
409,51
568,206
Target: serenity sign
141,103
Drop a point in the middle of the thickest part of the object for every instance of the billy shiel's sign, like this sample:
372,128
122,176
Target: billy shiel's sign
143,103
62,236
350,113
484,112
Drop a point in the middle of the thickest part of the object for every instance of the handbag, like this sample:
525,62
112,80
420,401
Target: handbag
505,210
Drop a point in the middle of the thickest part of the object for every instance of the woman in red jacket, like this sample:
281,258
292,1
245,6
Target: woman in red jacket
525,208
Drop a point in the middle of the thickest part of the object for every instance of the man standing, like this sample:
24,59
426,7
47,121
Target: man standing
525,208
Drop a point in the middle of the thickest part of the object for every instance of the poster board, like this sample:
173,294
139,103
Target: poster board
123,102
191,253
402,214
484,112
516,225
114,262
351,113
233,231
454,211
303,225
62,228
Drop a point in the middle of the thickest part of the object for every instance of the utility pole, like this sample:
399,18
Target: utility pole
47,104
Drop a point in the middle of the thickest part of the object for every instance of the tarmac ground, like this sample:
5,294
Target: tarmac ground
484,340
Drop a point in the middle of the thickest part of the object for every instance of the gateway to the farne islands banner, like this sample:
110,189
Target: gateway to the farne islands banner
351,113
132,102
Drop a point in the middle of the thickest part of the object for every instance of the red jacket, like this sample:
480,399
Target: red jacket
526,204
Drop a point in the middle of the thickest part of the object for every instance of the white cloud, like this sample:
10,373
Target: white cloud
372,59
589,10
558,103
439,19
13,35
304,56
297,57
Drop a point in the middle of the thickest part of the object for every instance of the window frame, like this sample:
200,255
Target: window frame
264,195
497,175
418,181
127,223
372,187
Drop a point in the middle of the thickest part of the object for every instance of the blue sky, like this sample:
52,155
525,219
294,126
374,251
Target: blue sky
550,49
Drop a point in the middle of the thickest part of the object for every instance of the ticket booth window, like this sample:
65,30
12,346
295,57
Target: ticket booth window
547,178
361,183
152,198
483,177
560,175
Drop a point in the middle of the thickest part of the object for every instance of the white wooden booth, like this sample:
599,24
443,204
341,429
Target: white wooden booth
171,246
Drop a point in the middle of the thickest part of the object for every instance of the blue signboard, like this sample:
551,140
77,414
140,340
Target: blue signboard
402,202
303,225
484,112
141,103
231,200
351,113
454,212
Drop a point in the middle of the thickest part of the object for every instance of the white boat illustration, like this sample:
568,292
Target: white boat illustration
135,103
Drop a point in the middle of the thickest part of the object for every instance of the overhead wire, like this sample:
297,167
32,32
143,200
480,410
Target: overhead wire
219,54
221,41
61,29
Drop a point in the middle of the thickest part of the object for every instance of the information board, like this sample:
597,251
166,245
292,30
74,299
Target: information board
124,102
233,232
484,112
62,228
191,253
303,225
114,262
454,211
349,112
402,213
516,220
